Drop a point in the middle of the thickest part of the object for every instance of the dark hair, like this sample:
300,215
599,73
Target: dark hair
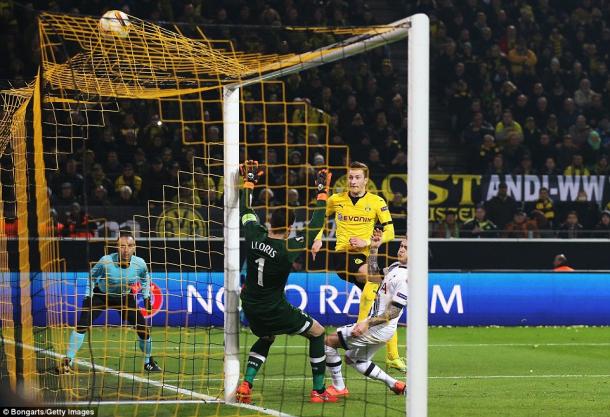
360,165
125,233
281,220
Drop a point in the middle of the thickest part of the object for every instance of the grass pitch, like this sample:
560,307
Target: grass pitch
512,372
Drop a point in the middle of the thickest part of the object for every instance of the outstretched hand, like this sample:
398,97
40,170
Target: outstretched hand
251,173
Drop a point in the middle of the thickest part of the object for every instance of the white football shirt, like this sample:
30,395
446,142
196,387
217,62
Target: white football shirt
392,290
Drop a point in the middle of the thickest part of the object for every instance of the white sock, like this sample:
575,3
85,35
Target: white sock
369,369
333,363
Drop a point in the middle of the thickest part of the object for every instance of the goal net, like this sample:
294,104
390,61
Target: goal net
184,109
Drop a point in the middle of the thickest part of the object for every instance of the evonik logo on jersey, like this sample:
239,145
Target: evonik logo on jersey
356,219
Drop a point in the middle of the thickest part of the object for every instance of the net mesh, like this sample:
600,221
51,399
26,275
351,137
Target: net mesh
89,77
13,207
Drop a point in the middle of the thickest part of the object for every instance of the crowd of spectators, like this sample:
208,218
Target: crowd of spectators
502,216
527,89
529,84
526,86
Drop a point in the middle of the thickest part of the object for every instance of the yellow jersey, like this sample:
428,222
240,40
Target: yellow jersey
356,217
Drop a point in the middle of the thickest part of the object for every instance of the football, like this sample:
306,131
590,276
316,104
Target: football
115,23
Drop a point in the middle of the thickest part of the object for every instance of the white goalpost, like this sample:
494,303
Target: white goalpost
416,28
417,221
230,109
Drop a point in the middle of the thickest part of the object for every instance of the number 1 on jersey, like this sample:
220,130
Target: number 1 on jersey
261,266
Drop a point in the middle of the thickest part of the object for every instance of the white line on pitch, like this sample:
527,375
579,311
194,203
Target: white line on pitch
519,344
444,345
204,398
430,377
129,402
518,376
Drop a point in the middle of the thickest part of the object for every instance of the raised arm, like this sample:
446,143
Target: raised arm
323,184
372,262
251,173
316,224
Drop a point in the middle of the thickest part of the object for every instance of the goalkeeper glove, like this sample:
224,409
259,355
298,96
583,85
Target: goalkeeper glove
251,173
323,183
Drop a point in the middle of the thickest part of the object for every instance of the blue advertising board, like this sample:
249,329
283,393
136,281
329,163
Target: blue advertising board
456,299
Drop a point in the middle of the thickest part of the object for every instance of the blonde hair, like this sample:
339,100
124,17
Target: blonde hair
361,166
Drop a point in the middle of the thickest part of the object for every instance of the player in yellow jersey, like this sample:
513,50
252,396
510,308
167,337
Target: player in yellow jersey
356,213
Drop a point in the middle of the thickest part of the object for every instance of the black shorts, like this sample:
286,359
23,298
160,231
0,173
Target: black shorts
347,266
94,305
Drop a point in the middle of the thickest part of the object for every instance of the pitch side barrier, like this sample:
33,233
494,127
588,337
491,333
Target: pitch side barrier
456,298
453,254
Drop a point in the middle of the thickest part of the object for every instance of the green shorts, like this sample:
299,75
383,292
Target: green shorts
281,318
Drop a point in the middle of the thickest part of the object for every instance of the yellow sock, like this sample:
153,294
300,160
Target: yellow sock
392,348
367,299
366,302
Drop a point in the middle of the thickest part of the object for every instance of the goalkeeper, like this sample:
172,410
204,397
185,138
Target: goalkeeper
356,213
111,287
269,259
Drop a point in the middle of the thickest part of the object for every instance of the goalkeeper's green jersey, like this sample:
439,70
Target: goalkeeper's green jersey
269,260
